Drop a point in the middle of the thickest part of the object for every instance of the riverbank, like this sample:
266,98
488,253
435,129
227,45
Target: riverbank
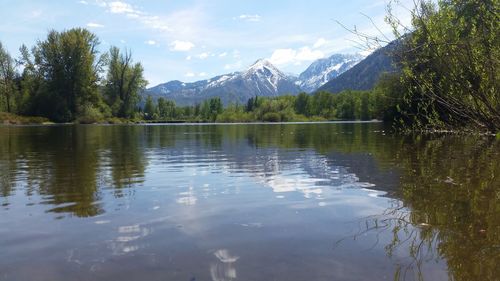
19,120
13,119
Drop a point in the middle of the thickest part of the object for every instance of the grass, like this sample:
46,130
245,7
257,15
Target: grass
13,119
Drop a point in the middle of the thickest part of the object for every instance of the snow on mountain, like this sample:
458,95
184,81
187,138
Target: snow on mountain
263,73
324,70
365,74
260,79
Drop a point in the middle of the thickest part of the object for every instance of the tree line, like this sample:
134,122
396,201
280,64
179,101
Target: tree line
321,106
61,78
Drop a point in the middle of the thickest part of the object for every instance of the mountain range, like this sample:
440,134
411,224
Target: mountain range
261,79
365,74
324,70
264,79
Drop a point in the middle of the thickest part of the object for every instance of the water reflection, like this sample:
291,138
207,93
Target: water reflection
450,206
248,202
224,269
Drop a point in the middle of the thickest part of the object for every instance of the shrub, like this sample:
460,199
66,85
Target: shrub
271,117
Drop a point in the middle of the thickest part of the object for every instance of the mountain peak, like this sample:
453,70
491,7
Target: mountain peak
261,64
263,68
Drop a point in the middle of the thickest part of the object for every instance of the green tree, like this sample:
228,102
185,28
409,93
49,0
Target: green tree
31,82
365,112
70,64
149,108
8,75
124,83
450,64
250,105
301,104
211,108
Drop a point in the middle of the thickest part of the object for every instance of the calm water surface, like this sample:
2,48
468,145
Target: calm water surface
247,202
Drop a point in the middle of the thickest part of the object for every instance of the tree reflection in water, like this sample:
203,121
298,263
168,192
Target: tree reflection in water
445,202
447,206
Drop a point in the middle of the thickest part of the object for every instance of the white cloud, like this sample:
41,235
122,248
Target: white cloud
222,55
306,54
190,74
83,2
94,25
118,7
101,3
253,18
189,57
203,56
288,56
153,22
320,43
202,74
151,42
133,15
181,46
188,23
282,56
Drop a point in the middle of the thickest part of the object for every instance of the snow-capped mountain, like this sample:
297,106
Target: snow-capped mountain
260,79
324,70
365,74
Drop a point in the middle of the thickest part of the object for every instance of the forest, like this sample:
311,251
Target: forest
448,80
321,106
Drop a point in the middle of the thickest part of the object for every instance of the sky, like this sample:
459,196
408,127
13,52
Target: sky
192,40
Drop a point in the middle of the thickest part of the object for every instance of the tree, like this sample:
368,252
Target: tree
301,104
70,64
124,83
166,108
215,107
450,64
365,113
149,108
250,105
211,108
7,76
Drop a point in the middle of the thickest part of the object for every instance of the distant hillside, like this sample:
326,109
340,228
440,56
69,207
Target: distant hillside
365,74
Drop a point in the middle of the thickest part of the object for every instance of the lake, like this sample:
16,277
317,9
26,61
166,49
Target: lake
333,201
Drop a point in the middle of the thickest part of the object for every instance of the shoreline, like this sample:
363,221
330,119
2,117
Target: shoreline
186,123
6,123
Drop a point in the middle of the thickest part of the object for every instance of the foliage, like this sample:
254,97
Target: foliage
124,83
450,65
348,105
9,118
7,80
211,108
61,80
149,109
69,63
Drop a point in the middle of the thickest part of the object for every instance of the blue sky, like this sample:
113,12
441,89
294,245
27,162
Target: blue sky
192,39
